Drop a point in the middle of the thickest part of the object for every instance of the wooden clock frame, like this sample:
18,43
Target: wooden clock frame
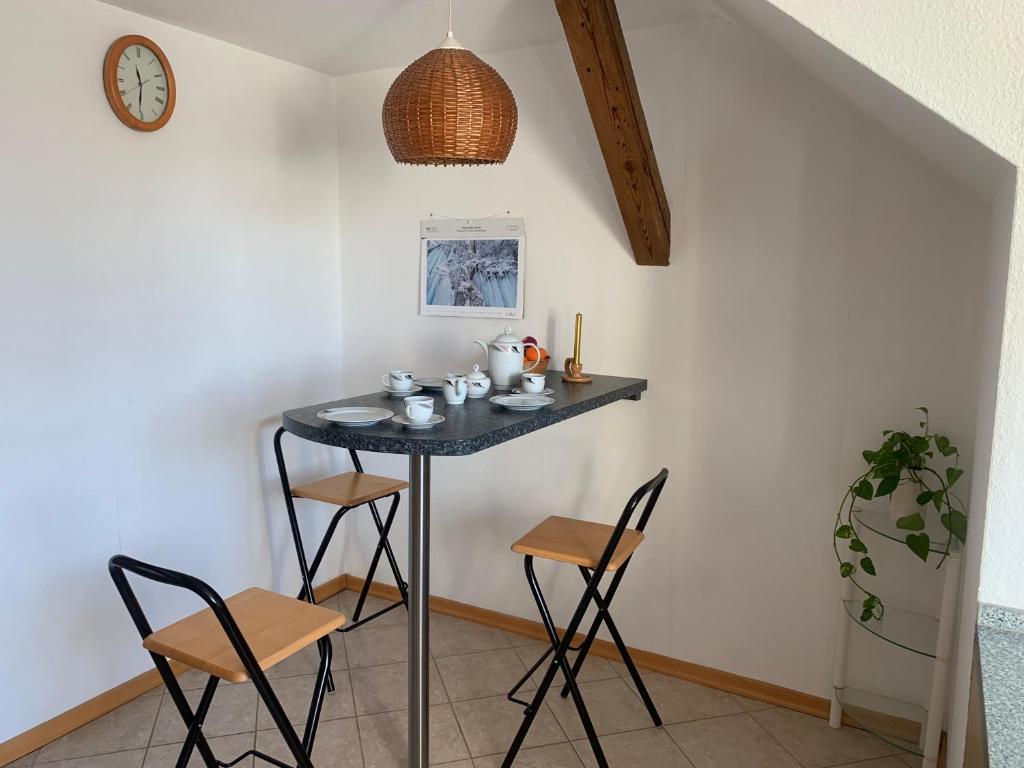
110,85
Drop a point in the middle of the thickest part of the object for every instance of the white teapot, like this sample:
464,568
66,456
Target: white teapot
505,358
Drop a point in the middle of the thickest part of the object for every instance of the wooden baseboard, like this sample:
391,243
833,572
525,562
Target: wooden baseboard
53,729
332,587
76,717
769,693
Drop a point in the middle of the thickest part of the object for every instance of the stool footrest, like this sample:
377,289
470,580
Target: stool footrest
381,612
254,753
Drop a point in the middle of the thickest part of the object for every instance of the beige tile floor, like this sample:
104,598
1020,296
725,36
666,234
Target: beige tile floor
364,721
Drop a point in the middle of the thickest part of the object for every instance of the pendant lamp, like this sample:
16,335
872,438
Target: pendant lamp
449,108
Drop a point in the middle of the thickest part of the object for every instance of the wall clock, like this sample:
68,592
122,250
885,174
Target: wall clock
139,83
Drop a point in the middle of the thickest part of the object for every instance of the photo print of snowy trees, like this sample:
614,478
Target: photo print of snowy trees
472,277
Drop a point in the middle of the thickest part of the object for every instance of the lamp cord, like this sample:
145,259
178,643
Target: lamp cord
451,13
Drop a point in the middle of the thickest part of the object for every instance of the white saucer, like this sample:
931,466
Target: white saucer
355,415
522,402
404,420
431,383
521,391
403,392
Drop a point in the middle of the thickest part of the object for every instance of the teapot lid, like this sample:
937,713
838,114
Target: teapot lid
476,374
507,337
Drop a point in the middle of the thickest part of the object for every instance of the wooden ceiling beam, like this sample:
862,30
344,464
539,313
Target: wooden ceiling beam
598,49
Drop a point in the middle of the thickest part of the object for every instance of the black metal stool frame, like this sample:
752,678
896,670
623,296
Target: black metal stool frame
383,544
301,750
560,646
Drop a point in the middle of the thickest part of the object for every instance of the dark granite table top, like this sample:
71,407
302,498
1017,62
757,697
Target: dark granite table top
1001,660
468,428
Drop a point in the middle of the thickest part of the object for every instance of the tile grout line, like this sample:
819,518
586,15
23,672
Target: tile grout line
352,691
355,708
828,765
451,706
152,730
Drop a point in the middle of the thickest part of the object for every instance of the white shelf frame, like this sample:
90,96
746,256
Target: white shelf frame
935,708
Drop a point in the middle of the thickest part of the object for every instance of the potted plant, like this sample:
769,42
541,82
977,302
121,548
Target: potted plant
903,466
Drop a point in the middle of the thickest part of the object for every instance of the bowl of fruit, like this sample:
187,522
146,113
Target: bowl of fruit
535,354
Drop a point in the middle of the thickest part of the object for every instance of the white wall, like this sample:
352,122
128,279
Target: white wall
162,297
824,282
964,61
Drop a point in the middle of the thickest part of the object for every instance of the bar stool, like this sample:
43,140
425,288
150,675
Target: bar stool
596,549
234,640
346,491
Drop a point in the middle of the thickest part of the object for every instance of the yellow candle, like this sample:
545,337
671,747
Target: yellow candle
576,345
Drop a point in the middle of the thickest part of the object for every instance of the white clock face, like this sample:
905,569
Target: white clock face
142,83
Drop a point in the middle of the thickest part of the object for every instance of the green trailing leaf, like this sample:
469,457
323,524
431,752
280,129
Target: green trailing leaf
919,544
902,456
919,444
914,522
956,523
887,485
864,490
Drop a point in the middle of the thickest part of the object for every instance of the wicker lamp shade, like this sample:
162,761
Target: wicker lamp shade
450,108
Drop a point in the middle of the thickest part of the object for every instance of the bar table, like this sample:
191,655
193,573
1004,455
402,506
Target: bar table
468,428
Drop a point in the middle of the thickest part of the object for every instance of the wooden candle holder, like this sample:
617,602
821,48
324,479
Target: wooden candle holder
574,373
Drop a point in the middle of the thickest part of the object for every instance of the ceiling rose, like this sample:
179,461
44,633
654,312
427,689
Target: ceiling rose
449,108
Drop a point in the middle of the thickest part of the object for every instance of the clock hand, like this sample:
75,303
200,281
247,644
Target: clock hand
135,87
139,78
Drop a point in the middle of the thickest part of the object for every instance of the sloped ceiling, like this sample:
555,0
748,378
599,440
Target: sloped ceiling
345,36
923,130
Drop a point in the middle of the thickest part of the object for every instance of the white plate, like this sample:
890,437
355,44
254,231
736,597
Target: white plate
519,391
404,420
355,415
522,402
402,392
434,383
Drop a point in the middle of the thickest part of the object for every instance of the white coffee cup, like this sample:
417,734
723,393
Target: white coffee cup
532,383
399,381
419,409
455,388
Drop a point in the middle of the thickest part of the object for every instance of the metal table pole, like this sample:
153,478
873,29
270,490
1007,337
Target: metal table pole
419,616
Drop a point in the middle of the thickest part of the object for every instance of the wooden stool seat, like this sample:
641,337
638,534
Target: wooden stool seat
350,489
274,626
579,542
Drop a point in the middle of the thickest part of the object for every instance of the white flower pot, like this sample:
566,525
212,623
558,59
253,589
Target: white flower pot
903,500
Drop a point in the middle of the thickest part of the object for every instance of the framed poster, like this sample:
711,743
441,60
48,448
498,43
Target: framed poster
472,267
